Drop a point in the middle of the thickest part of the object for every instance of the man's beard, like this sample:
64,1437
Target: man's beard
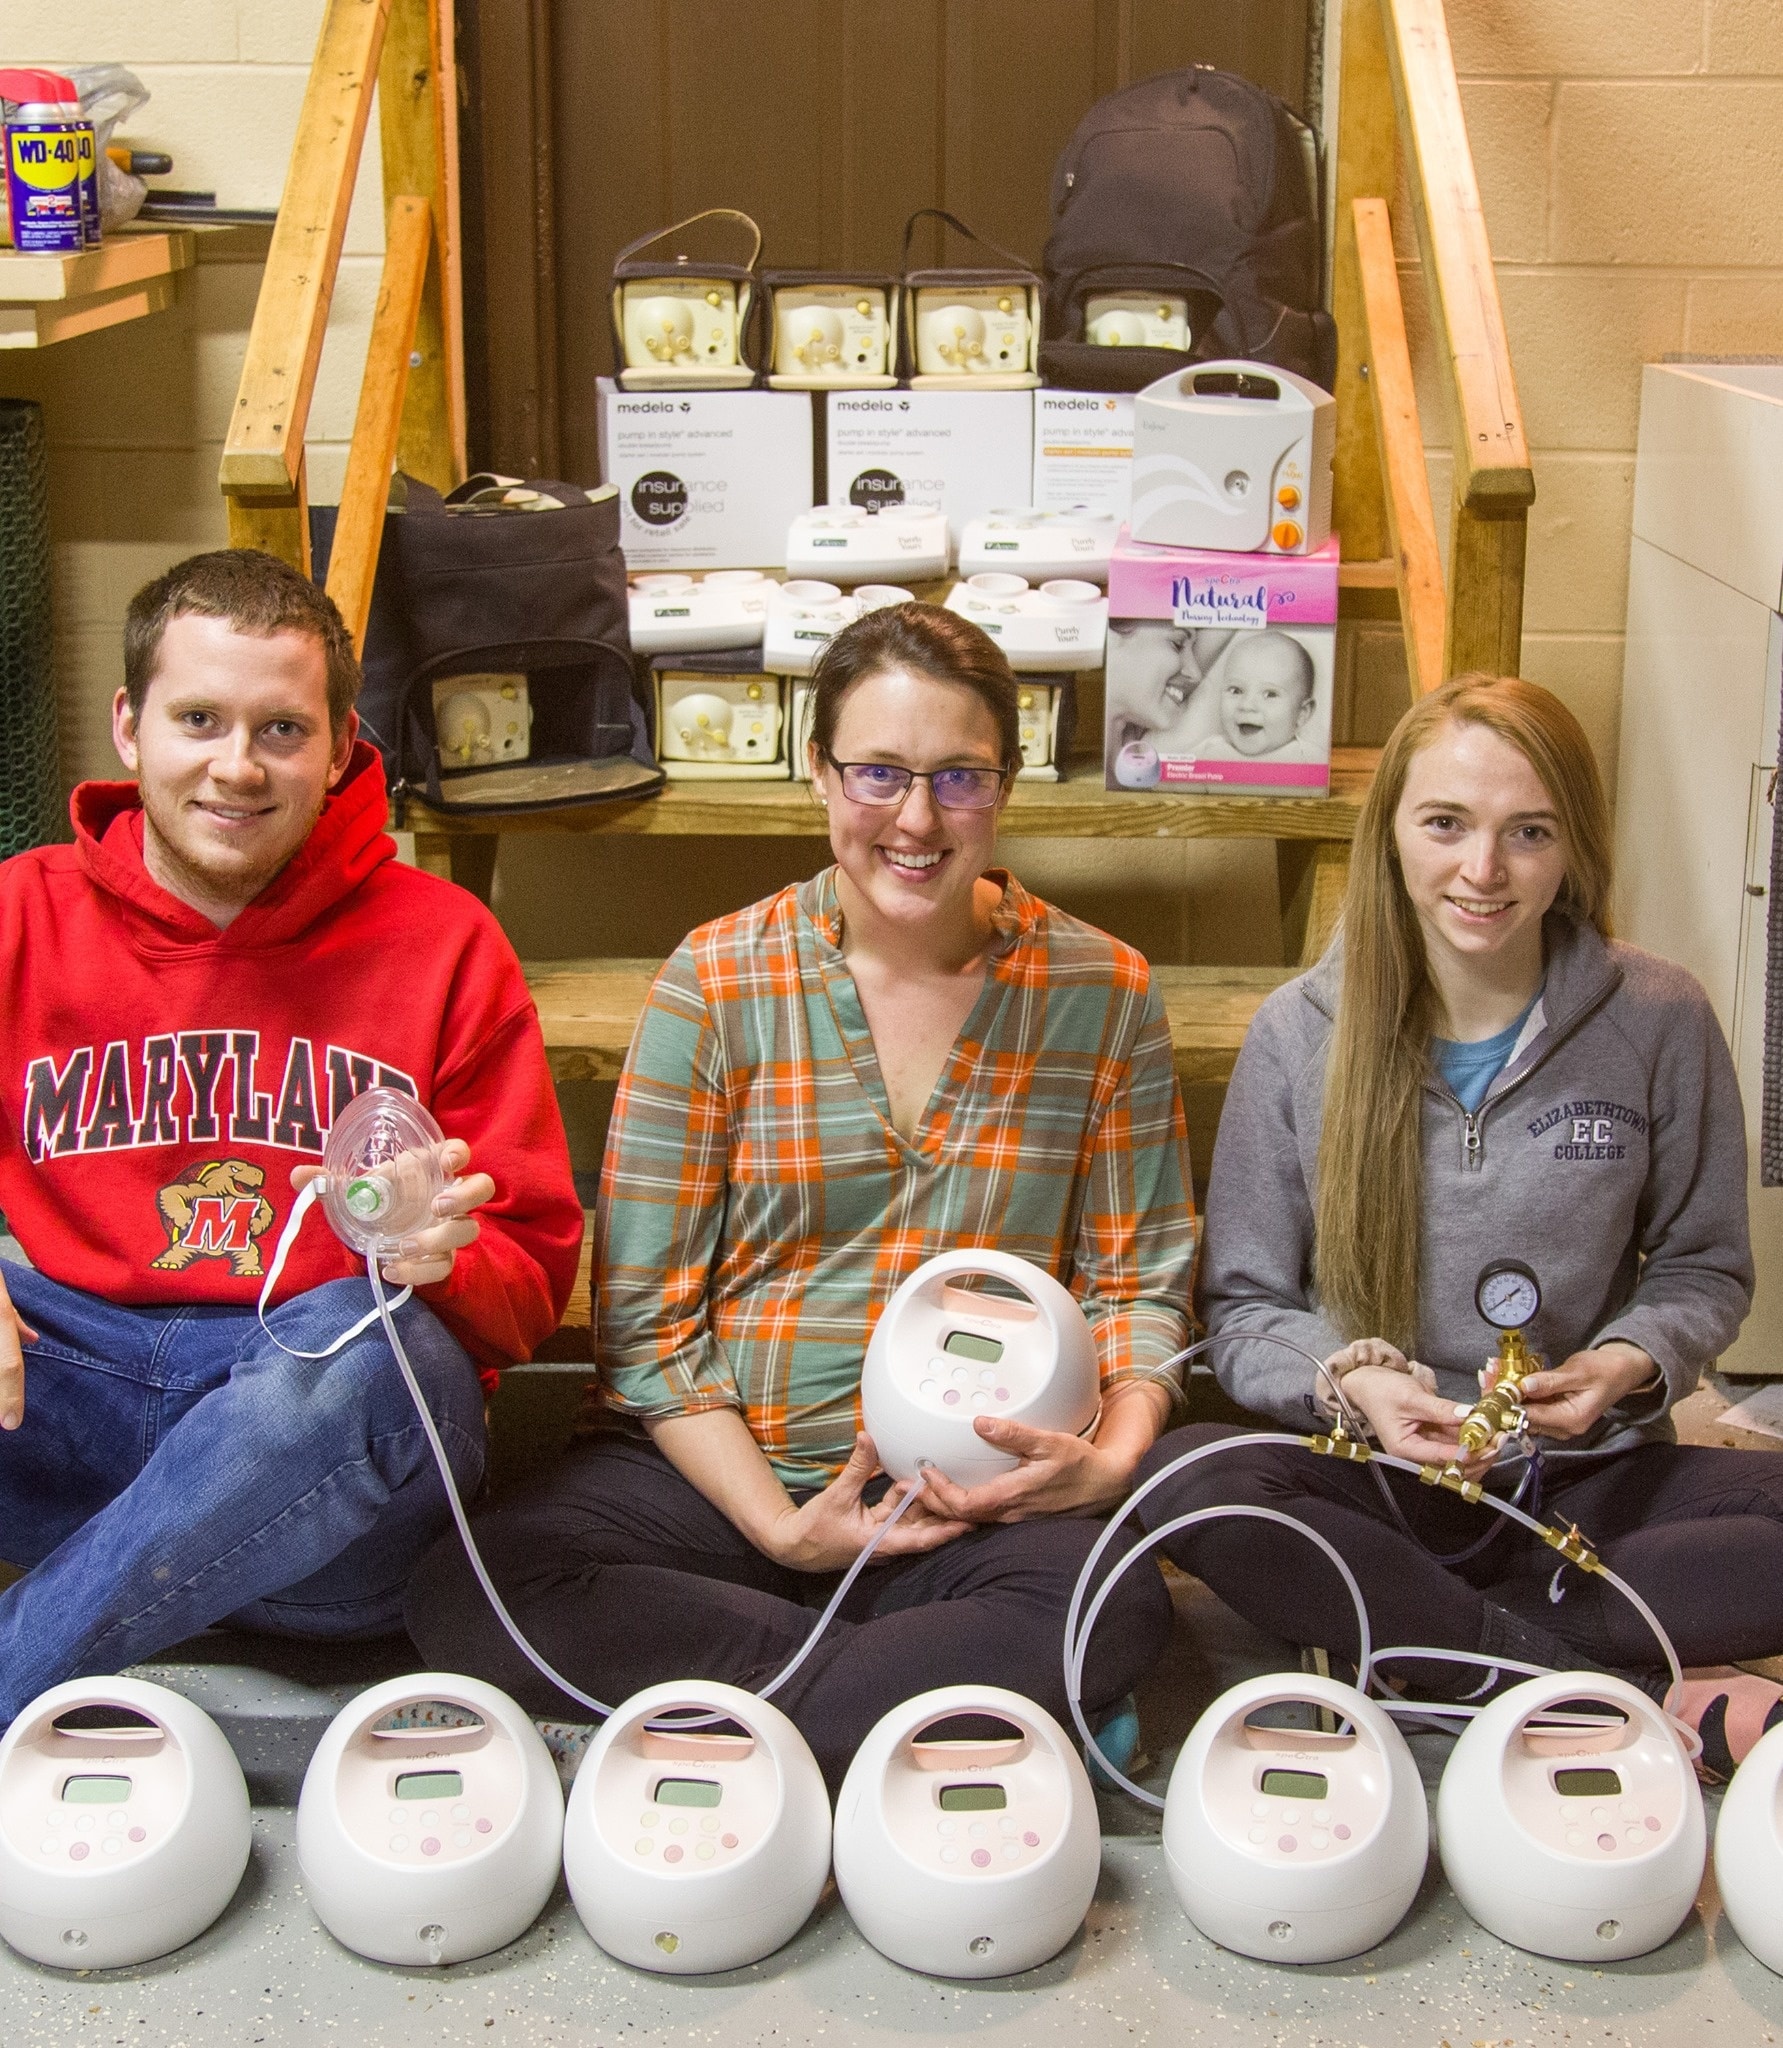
237,886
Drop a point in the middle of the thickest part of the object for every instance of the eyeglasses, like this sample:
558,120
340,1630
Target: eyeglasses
954,789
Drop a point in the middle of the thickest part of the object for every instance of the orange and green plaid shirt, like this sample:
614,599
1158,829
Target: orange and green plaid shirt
757,1209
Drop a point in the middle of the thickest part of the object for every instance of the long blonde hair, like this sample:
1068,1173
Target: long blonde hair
1368,1210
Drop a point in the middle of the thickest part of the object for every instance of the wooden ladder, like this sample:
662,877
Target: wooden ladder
1398,88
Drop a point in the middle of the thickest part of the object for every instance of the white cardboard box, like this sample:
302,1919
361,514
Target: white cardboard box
1083,450
707,479
969,452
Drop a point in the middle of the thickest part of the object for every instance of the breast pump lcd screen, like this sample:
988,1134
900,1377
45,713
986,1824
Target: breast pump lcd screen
1294,1785
1587,1784
963,1344
688,1792
973,1798
93,1791
430,1785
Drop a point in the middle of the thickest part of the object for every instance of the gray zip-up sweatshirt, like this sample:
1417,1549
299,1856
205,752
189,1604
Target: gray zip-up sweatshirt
1609,1155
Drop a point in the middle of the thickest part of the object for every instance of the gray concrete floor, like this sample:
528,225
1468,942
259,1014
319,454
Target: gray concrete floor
1138,1973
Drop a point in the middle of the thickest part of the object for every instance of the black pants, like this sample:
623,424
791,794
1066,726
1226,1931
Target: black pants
622,1575
1697,1532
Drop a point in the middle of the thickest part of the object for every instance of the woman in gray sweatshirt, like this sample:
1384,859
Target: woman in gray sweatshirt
1474,1072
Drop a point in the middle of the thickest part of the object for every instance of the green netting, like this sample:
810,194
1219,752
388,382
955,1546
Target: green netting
30,804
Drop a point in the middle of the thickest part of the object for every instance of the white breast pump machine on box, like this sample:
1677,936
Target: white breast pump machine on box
943,1354
967,1858
430,1825
699,1844
124,1824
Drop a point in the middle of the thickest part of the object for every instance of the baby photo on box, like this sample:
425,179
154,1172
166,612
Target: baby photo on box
1219,670
1212,707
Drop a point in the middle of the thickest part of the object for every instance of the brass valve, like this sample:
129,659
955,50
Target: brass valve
1499,1411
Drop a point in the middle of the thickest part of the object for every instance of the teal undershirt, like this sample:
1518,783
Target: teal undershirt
1471,1069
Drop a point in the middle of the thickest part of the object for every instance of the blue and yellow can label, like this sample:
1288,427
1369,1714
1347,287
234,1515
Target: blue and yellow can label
45,164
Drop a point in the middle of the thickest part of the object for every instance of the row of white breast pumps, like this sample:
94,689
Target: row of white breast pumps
698,1834
432,1827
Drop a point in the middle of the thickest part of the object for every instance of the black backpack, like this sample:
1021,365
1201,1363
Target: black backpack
472,587
1203,185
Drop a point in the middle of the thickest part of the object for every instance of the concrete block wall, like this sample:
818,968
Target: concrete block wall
136,414
1630,161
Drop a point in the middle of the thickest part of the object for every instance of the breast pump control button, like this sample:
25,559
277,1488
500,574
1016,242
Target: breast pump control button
430,1820
949,1827
1012,1848
461,1813
642,1849
430,1845
1575,1838
78,1851
1606,1841
1570,1809
1341,1831
950,1855
951,1397
1290,1816
673,1853
1032,1839
1288,1843
648,1820
1262,1808
1286,534
141,1834
981,1857
398,1844
49,1848
729,1841
1321,1841
708,1826
113,1846
978,1828
483,1826
1652,1823
1259,1834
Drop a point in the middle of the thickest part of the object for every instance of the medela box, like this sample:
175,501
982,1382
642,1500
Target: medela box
1219,670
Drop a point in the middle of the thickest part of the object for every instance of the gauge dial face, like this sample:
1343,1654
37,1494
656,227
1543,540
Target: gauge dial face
1507,1294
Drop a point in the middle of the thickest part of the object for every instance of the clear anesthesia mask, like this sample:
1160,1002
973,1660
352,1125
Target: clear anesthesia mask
381,1171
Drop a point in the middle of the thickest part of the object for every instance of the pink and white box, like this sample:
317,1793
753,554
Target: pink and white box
1219,670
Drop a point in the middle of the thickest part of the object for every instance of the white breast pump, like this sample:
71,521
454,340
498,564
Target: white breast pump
1749,1850
944,1354
124,1824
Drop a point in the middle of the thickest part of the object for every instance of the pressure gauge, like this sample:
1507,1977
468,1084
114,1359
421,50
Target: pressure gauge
1507,1294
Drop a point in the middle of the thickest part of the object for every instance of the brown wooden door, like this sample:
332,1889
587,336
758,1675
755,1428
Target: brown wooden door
591,122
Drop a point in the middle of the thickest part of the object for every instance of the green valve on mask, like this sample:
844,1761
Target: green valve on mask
367,1198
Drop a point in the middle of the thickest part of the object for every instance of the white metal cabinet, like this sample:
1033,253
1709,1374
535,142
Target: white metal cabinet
1701,699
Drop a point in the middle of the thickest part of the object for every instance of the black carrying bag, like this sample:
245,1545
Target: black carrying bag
1200,184
472,585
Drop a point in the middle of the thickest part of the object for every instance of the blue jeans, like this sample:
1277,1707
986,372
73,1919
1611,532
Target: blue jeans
175,1468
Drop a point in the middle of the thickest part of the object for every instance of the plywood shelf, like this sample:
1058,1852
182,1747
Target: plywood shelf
1079,809
46,299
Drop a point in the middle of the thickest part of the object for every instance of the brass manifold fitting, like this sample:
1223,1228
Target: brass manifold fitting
1500,1410
1568,1542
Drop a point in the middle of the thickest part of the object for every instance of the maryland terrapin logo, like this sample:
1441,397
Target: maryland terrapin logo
218,1213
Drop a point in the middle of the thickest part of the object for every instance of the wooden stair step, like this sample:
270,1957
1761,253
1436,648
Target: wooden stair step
589,1009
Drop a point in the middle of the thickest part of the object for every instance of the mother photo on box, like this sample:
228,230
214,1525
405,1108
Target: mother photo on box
908,1054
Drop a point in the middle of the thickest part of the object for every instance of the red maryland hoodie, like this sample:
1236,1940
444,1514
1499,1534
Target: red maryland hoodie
159,1078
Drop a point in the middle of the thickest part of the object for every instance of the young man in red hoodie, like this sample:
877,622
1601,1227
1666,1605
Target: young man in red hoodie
227,954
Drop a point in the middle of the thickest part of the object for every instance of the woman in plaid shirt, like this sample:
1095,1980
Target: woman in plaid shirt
905,1054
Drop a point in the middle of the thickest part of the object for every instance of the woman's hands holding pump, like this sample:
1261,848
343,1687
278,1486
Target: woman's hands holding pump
830,1530
15,1333
428,1257
1059,1474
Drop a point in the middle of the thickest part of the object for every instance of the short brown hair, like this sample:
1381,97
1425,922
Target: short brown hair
930,641
256,593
